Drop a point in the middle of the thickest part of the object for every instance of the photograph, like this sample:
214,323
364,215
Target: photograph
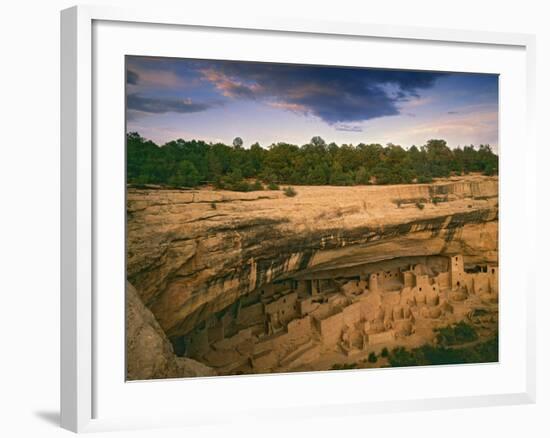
301,218
275,219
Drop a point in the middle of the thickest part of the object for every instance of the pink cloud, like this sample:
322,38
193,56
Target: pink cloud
159,79
458,128
480,122
294,107
228,86
415,103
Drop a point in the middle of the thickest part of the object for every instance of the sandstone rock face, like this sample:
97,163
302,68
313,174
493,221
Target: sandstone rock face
149,354
195,252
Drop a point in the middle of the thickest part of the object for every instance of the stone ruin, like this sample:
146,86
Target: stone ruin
316,320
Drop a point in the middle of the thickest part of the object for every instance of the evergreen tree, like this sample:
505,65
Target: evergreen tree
185,175
188,163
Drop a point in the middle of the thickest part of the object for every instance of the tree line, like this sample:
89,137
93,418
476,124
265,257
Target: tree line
193,163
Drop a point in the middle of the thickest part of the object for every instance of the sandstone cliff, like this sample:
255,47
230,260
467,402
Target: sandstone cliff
194,252
149,354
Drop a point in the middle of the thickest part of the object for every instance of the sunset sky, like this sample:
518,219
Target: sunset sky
170,98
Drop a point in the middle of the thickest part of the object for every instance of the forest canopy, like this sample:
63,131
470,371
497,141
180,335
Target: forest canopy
193,163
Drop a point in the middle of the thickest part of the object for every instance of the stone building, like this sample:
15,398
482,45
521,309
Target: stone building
294,322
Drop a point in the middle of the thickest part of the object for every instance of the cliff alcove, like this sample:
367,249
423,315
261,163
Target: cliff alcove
258,282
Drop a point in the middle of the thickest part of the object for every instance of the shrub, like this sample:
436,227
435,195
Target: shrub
385,352
424,179
372,357
419,205
400,357
233,181
290,192
240,186
344,366
273,186
455,334
257,185
438,355
213,205
489,170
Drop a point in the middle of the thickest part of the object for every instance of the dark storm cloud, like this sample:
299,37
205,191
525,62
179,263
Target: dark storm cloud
336,95
153,105
132,77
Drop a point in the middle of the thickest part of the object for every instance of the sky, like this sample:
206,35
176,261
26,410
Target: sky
216,101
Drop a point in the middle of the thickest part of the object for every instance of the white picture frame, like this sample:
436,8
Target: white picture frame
82,169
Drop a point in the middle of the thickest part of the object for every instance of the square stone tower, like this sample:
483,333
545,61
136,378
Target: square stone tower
373,282
457,271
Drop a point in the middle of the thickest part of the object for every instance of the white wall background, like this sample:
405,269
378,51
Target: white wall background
29,215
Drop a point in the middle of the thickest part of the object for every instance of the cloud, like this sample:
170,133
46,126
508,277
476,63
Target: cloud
155,78
414,102
335,95
348,128
132,77
230,87
294,107
479,127
152,105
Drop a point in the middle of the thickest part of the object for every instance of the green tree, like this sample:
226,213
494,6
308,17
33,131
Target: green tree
192,162
439,157
318,142
338,177
237,142
318,175
185,175
362,176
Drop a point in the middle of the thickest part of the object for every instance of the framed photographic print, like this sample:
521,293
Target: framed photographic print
280,218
